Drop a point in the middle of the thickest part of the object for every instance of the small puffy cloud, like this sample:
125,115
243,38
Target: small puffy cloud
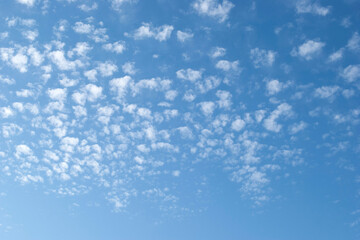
91,74
183,36
28,3
309,49
261,57
224,99
96,34
18,60
104,114
351,73
207,108
270,123
30,35
189,74
81,49
118,4
90,93
67,82
144,112
68,144
161,33
176,173
326,91
227,65
213,8
23,150
107,69
238,124
129,68
6,112
6,80
185,132
88,8
306,6
120,86
36,57
59,59
354,42
11,129
297,127
171,95
83,28
189,96
57,94
116,47
208,84
274,86
217,52
336,56
25,93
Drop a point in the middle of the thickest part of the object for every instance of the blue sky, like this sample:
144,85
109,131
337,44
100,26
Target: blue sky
194,119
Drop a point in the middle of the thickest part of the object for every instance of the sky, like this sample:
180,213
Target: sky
171,120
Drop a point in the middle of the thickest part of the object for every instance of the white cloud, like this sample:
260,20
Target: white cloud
28,3
129,68
90,93
104,114
120,86
6,112
351,73
107,69
297,127
81,49
270,123
171,95
336,56
309,49
58,58
261,57
7,80
326,91
23,150
208,84
161,33
305,6
116,47
117,4
274,86
93,92
144,112
207,108
184,36
30,35
224,99
67,82
217,52
354,42
227,65
185,132
238,124
36,57
189,74
83,28
213,8
91,75
58,94
88,8
25,93
11,129
68,144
